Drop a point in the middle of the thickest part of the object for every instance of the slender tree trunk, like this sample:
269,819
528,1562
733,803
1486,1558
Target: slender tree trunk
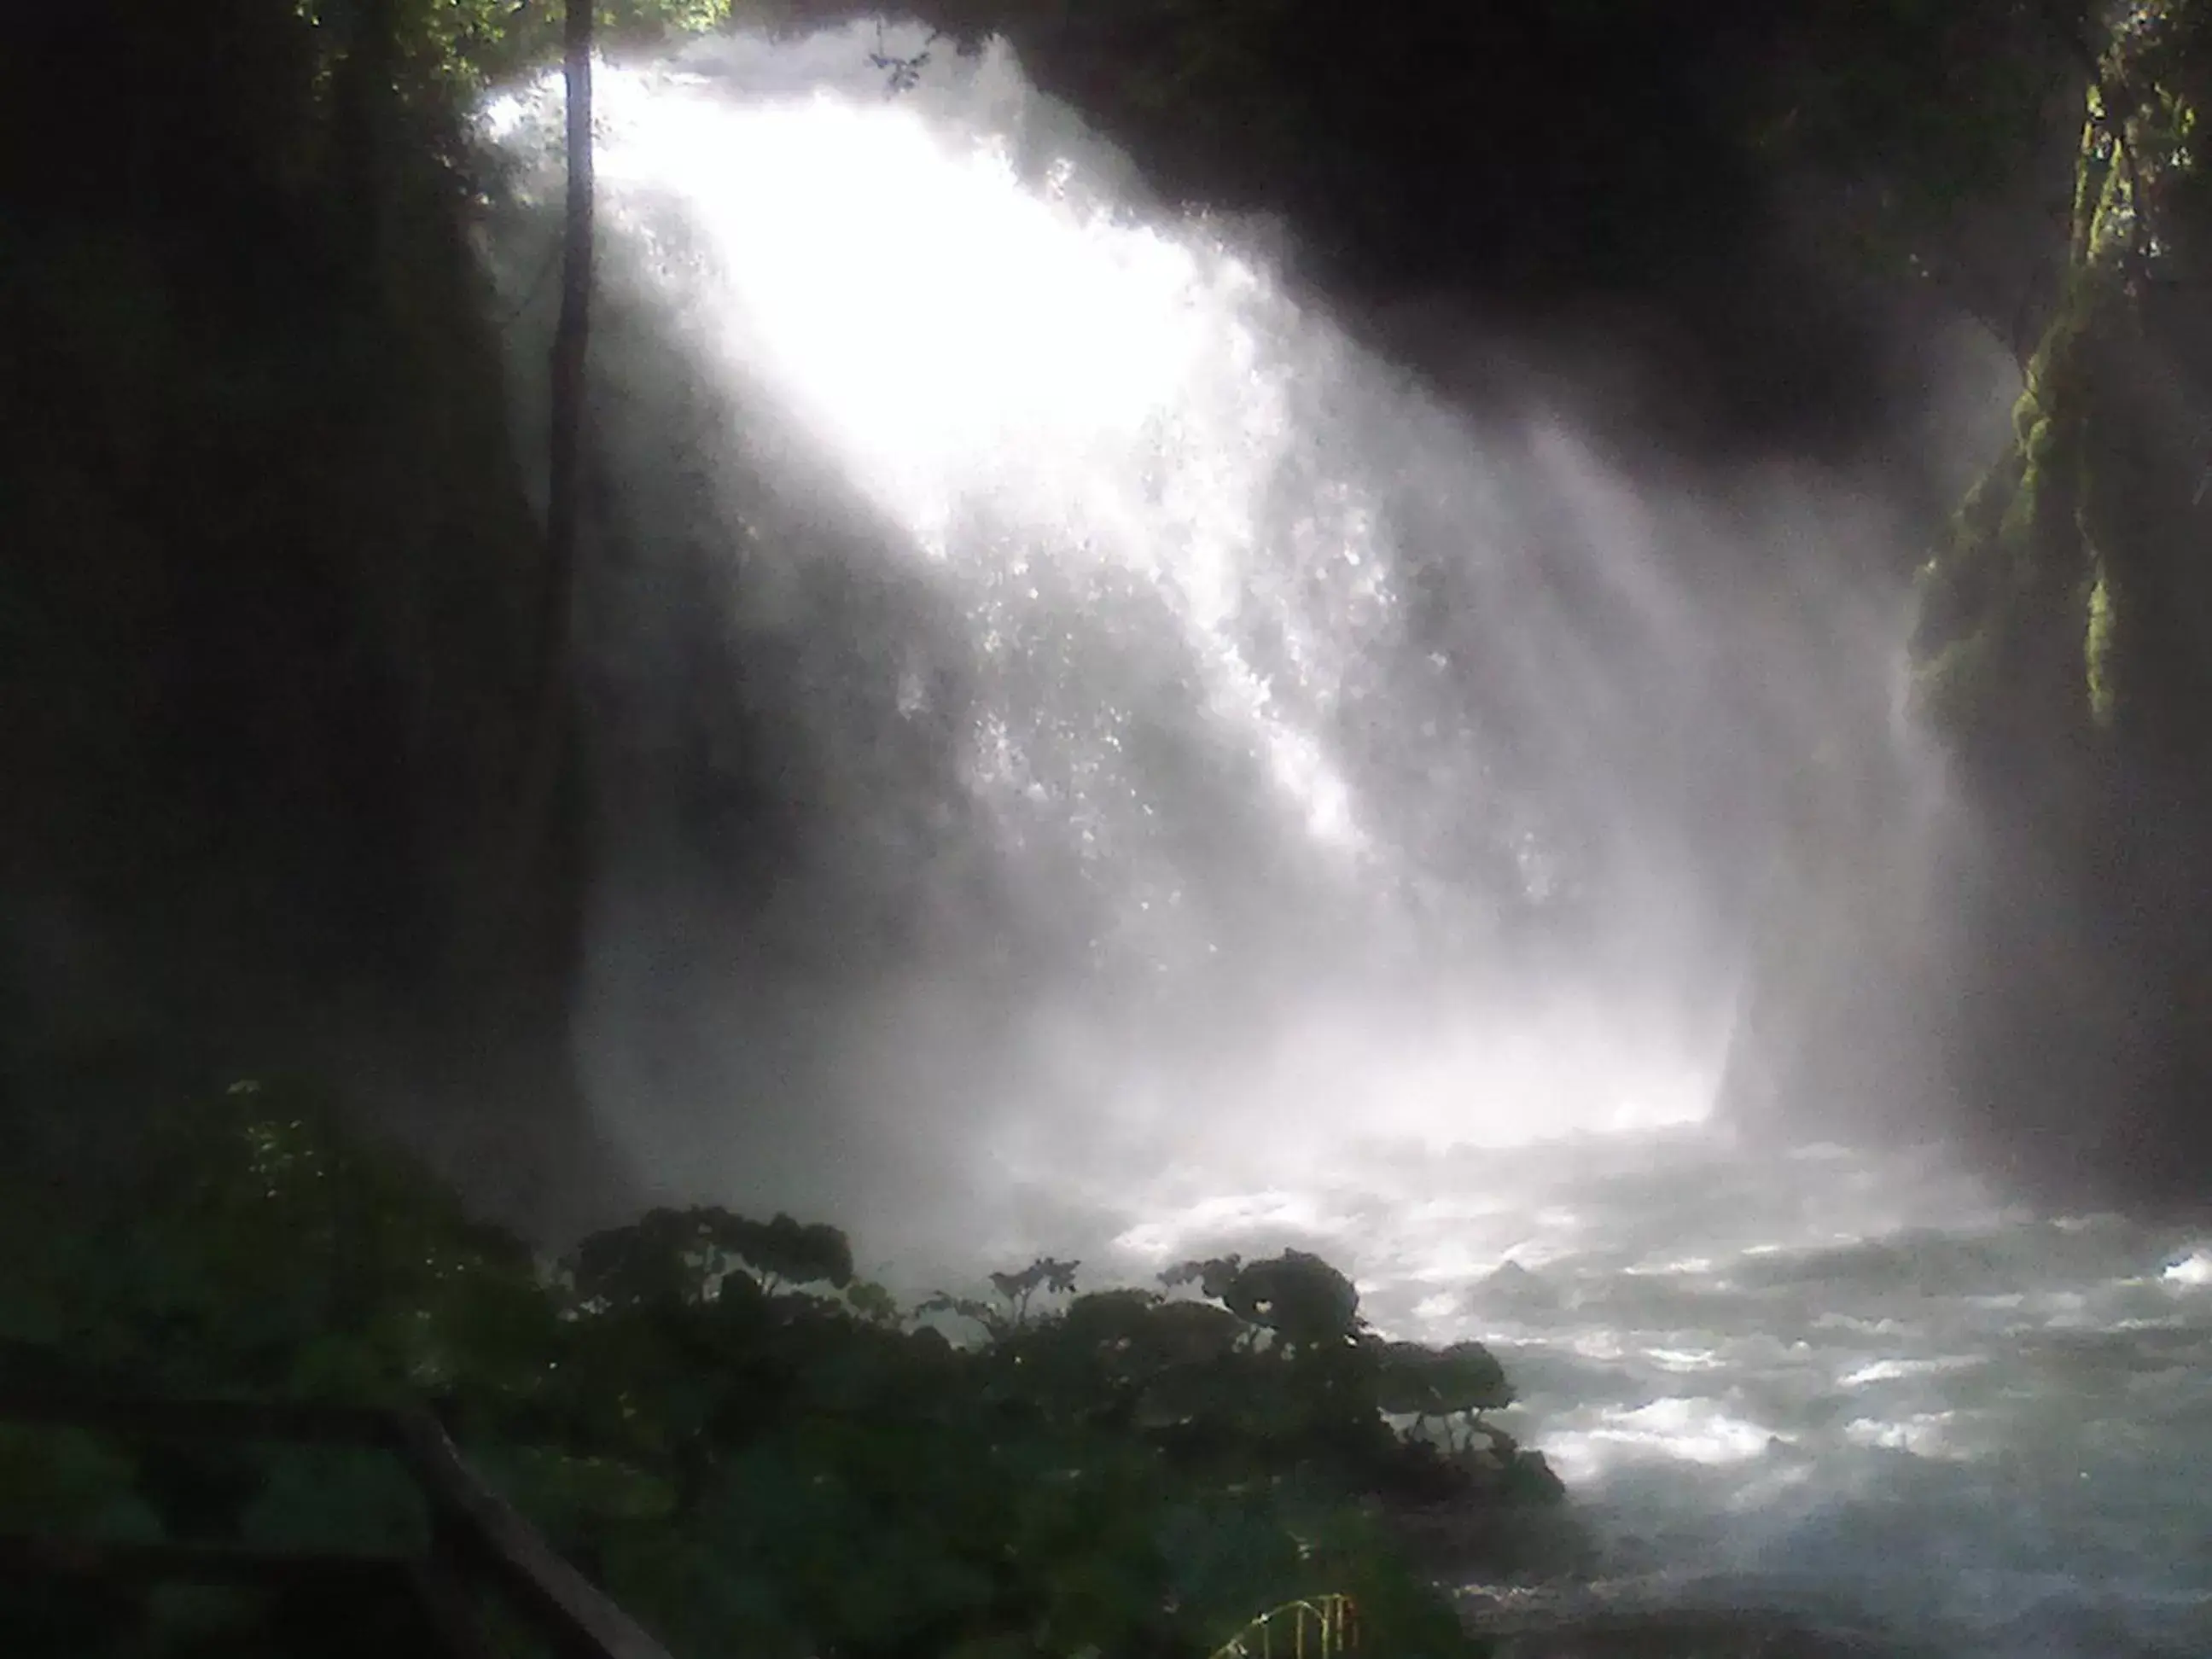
569,339
365,94
549,734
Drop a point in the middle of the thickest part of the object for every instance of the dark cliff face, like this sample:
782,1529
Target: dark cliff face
264,646
2060,650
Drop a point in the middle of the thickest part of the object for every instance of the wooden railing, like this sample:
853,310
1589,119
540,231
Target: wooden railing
476,1539
1321,1627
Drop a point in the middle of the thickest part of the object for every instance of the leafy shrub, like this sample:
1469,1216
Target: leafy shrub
752,1450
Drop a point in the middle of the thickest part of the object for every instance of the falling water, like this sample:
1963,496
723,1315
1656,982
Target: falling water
1091,756
1175,716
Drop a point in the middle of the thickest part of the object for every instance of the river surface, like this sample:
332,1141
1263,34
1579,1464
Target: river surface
1844,1386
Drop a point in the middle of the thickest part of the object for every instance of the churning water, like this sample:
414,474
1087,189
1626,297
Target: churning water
1844,1386
1089,752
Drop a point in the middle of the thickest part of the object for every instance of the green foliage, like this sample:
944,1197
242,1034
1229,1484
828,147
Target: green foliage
463,45
747,1469
1302,1303
336,1498
675,1258
870,1302
69,1480
2097,651
2025,636
1010,1314
1456,1384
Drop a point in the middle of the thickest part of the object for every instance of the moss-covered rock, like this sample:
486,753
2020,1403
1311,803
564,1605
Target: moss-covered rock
2060,648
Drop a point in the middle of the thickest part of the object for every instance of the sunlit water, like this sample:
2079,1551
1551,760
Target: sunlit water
1839,1385
1206,756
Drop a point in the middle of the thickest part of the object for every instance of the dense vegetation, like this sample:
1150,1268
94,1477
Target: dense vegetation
758,1453
2062,645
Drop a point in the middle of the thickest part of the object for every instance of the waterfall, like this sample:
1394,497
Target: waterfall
1062,707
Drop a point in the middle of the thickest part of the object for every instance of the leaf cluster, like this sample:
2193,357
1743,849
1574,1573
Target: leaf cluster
752,1449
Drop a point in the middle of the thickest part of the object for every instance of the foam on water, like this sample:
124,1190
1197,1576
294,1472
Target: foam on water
1839,1384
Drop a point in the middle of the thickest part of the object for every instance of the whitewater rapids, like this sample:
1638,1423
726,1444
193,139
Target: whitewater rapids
1846,1388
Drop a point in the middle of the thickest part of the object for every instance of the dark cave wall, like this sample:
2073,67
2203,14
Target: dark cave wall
2063,648
265,642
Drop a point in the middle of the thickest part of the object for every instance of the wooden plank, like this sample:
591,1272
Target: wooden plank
566,1604
471,1520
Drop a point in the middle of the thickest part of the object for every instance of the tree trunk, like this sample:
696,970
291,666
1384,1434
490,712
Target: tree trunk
549,734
